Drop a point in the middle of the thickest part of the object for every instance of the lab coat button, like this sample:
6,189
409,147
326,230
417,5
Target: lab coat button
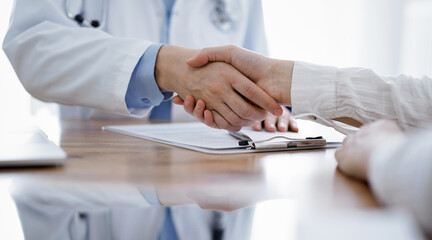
145,100
312,117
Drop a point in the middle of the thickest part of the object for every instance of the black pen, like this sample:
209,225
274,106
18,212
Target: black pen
245,140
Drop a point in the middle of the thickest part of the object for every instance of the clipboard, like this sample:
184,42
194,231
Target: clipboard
199,137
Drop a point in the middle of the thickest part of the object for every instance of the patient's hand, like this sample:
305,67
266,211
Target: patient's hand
271,123
272,75
357,149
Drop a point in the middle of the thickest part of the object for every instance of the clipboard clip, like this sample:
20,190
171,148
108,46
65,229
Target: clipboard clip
285,142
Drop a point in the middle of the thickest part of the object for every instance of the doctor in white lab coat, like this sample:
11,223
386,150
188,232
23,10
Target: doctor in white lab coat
114,68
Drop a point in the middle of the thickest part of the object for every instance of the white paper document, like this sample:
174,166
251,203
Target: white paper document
199,137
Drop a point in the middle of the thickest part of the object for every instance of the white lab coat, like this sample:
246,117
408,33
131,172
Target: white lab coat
58,61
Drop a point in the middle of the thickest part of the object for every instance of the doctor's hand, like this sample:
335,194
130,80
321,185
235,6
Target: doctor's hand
356,152
220,85
271,123
273,76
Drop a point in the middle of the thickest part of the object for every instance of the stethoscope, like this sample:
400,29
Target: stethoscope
224,15
79,14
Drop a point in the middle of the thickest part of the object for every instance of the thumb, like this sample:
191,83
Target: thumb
215,54
199,60
177,100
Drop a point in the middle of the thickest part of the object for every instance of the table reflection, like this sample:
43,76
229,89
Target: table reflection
89,210
50,210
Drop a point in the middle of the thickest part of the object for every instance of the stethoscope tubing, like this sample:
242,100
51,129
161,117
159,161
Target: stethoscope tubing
80,17
222,20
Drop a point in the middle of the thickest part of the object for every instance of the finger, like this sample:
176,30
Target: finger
257,95
209,120
222,123
257,126
293,127
338,155
177,100
345,139
245,109
198,111
343,161
215,54
270,123
247,62
189,104
231,116
283,120
348,140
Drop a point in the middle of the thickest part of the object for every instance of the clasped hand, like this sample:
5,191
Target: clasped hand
263,76
234,100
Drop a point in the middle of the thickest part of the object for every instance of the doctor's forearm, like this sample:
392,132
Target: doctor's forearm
57,61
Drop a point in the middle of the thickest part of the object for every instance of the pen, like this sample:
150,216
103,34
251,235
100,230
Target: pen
244,139
309,142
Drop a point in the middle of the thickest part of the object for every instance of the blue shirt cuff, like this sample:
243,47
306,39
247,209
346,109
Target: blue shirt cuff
143,92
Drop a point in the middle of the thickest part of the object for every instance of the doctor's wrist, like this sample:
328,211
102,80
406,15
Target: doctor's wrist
170,65
160,72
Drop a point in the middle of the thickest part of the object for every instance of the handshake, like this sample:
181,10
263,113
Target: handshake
228,87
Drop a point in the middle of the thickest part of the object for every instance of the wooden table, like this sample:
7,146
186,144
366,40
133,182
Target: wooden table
310,178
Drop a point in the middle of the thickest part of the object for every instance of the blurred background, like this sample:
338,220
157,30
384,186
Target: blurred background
389,36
